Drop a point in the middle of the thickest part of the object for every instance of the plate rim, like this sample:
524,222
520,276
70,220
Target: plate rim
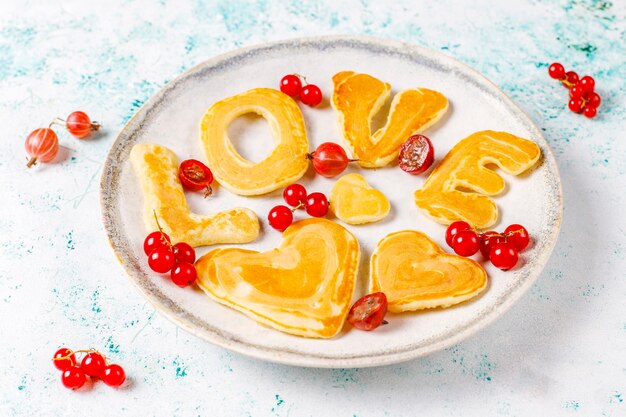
298,358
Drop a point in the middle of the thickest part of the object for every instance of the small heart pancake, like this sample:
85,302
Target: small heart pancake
415,273
304,287
354,201
157,170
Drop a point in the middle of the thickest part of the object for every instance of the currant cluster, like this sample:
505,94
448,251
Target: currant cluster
416,155
195,176
368,312
583,98
309,94
177,259
329,159
502,249
43,144
93,364
295,195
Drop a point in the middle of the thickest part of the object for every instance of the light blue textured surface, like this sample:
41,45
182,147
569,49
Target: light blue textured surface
560,351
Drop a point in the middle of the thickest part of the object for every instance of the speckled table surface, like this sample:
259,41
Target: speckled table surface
559,351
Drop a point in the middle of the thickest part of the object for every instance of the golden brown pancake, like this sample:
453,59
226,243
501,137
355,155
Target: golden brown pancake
357,98
286,163
444,195
415,273
157,170
304,287
354,201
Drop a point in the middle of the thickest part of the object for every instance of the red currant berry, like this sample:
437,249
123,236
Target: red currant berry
589,111
113,375
73,377
155,239
280,218
316,204
465,243
80,125
368,312
291,85
92,364
63,364
311,95
556,71
416,155
576,91
587,84
294,195
488,239
329,159
184,274
455,228
161,259
517,235
183,252
575,104
503,256
572,77
594,100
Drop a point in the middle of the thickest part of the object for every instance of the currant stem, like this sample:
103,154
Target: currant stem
57,121
300,205
208,191
302,78
32,161
95,126
513,232
566,82
311,155
72,352
163,239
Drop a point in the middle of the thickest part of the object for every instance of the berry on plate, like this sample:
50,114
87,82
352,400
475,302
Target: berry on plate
195,176
455,228
311,95
416,155
291,85
280,217
295,195
488,239
465,243
503,256
517,235
329,159
316,205
368,312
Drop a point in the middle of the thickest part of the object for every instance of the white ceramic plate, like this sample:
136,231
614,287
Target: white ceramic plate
171,118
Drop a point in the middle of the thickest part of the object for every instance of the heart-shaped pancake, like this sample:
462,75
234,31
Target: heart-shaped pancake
354,201
415,273
303,287
357,98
